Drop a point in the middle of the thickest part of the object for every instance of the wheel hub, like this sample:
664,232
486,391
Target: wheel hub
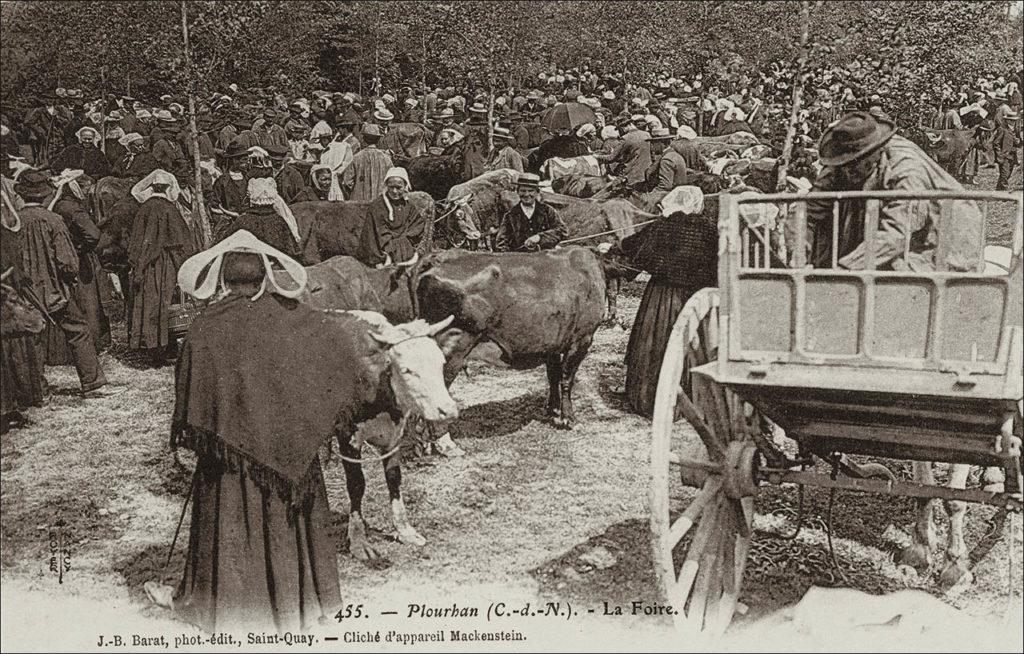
739,471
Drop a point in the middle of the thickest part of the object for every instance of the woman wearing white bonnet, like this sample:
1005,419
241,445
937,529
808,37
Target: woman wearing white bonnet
395,227
269,219
735,120
160,241
680,251
84,155
611,138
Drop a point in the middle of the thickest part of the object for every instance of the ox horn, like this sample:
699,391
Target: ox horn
411,262
439,326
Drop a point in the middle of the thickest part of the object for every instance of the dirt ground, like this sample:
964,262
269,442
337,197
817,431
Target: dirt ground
530,514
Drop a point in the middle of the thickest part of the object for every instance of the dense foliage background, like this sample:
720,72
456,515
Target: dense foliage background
907,48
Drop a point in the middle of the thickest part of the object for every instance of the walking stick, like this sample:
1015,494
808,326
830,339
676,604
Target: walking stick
181,518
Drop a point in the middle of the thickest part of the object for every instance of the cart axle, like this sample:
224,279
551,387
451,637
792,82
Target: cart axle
1011,502
695,472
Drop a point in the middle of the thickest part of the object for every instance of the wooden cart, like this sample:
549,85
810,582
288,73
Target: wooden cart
925,366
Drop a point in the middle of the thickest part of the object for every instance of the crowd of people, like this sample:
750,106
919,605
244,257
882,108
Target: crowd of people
260,152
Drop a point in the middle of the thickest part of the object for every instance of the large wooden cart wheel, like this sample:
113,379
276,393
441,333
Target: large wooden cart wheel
700,553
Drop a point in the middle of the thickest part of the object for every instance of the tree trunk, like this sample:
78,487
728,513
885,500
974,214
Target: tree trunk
490,120
376,52
423,79
798,91
104,110
198,202
700,113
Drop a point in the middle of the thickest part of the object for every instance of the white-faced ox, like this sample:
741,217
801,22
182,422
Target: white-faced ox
539,308
411,384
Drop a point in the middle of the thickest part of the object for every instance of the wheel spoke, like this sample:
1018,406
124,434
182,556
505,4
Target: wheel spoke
706,574
714,597
691,565
730,583
741,517
685,521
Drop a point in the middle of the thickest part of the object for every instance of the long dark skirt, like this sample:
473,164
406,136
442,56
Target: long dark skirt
658,311
21,374
251,565
152,296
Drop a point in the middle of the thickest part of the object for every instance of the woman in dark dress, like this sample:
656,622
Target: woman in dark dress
394,226
268,218
260,556
681,254
160,242
21,370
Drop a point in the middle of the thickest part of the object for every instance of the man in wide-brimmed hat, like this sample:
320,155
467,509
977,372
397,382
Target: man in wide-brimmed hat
667,170
533,104
228,196
289,179
363,178
346,125
505,154
863,152
52,265
46,127
531,224
166,148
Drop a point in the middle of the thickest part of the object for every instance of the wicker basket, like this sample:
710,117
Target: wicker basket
182,313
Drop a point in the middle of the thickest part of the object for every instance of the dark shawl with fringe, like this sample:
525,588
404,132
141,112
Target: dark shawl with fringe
263,383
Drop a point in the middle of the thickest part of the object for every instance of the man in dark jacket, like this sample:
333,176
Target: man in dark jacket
531,224
51,263
165,148
70,204
290,182
46,127
1005,143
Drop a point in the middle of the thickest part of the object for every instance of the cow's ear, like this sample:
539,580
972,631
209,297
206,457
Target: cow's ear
449,341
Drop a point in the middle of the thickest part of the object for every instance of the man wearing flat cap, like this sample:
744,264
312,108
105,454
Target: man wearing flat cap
530,225
862,152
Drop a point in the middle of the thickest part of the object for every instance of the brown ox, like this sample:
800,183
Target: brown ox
330,229
948,147
538,308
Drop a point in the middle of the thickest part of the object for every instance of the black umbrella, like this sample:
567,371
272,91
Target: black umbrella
567,116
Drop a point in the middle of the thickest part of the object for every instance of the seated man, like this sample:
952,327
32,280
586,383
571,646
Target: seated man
531,224
862,152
